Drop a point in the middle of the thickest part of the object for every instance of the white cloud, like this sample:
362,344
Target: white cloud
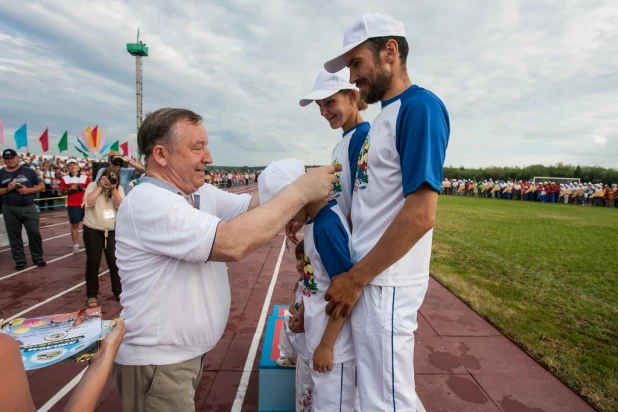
524,81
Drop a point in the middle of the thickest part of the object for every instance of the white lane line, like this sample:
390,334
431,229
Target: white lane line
53,216
244,380
62,392
44,240
33,267
55,224
72,288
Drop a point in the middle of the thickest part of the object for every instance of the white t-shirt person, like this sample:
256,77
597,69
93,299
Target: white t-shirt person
176,302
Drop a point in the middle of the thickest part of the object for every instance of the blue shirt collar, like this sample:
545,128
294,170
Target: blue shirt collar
409,90
354,128
164,185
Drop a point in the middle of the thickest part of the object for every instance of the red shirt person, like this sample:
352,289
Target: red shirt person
73,185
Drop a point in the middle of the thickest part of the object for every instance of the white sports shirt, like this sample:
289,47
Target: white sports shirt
404,149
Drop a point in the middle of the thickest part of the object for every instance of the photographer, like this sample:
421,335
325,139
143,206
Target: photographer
103,199
126,169
18,185
73,186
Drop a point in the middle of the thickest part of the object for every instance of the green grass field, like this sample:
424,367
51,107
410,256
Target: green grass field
546,275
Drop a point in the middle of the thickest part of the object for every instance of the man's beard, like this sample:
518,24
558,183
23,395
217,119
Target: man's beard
379,86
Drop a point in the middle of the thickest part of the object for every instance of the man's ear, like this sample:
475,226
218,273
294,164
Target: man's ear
160,155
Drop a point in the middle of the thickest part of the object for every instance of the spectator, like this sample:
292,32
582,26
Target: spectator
18,184
103,198
15,392
126,169
73,186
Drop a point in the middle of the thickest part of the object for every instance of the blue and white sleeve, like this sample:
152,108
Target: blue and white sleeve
332,244
423,130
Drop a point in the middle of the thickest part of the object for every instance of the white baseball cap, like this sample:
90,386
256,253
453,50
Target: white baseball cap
278,175
328,84
369,25
71,161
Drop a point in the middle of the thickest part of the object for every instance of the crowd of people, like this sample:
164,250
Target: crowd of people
585,194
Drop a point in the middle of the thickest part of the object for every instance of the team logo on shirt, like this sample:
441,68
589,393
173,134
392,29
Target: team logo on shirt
336,192
362,167
310,286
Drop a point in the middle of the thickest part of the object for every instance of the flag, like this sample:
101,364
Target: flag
44,139
125,148
131,153
1,131
114,146
95,136
63,144
84,148
21,136
81,151
89,142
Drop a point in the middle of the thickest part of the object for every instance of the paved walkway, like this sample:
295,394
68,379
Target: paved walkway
463,363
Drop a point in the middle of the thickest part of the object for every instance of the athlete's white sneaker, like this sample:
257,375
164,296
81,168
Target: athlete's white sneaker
75,249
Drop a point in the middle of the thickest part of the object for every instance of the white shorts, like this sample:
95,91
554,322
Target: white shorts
335,390
383,324
304,386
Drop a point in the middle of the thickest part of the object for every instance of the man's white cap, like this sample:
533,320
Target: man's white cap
369,25
72,161
328,84
278,175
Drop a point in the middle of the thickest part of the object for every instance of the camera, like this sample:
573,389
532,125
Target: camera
80,188
112,179
118,161
18,186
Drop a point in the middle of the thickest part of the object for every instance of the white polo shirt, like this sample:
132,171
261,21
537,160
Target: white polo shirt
176,302
404,149
346,153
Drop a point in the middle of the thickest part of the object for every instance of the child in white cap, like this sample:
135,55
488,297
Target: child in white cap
340,104
327,254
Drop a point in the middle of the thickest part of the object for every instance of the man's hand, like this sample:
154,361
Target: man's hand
11,186
73,187
323,359
291,229
317,183
342,295
23,191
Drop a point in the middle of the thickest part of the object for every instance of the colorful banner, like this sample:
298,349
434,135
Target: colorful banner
21,137
44,139
63,144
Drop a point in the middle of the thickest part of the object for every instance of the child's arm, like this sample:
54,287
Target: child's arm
297,322
332,244
323,355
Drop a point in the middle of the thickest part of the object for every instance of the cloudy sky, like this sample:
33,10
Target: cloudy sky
525,82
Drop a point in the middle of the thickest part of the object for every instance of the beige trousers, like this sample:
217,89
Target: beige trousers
148,388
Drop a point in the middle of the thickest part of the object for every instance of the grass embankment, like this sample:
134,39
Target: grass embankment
546,275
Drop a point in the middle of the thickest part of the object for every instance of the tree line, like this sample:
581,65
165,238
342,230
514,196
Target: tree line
594,174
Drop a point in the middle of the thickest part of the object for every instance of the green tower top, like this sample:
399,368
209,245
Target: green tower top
138,48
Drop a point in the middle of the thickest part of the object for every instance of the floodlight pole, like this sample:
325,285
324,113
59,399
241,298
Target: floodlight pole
139,50
138,89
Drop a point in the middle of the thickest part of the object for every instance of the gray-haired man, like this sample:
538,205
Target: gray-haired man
173,235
